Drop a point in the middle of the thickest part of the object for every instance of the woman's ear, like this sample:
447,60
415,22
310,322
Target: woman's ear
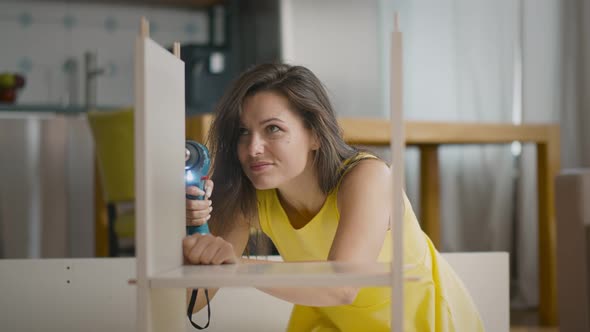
315,141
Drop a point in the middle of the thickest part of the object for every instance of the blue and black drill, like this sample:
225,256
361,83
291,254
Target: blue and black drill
196,168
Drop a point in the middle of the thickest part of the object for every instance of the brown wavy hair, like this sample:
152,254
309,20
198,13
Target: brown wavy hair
233,192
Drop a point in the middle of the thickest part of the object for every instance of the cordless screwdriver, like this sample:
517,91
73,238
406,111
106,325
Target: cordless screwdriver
196,168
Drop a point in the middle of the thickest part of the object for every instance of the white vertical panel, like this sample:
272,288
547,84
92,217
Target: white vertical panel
397,145
159,184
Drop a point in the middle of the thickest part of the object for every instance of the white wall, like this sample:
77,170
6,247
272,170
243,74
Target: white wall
339,41
38,37
46,161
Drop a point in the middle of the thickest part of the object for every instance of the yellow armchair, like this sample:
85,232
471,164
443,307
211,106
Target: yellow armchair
113,138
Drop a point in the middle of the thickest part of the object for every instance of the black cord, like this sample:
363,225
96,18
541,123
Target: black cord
191,306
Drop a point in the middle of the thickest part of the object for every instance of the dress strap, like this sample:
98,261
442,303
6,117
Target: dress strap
351,162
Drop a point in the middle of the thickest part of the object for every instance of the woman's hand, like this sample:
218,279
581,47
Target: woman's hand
199,211
208,249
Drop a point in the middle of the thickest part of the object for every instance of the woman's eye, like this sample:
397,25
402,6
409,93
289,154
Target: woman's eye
273,128
243,131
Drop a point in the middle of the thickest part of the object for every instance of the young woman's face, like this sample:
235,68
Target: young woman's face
274,147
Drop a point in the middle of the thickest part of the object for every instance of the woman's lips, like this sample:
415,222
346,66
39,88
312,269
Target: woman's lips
260,166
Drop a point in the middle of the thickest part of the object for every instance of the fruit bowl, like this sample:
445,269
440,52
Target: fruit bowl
10,83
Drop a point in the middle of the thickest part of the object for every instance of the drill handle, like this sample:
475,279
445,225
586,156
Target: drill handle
204,228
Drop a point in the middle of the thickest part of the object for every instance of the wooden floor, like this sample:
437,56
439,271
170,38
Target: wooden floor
533,329
526,321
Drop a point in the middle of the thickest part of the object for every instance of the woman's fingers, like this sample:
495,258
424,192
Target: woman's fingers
208,188
194,191
197,221
199,248
207,249
195,204
209,252
188,242
203,241
199,210
193,247
198,213
225,254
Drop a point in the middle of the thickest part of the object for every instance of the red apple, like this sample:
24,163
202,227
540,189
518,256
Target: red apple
7,95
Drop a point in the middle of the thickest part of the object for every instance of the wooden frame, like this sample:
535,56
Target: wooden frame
160,215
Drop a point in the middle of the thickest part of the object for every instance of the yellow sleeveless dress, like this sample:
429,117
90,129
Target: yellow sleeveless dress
438,302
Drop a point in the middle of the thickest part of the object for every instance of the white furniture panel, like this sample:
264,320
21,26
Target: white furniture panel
67,295
36,296
486,276
159,182
309,274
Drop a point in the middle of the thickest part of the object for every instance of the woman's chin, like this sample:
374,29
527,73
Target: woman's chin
263,185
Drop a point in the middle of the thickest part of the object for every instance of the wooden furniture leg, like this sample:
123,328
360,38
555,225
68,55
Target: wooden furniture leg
547,168
429,192
101,230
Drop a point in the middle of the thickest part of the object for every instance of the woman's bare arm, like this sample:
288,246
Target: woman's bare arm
364,205
238,237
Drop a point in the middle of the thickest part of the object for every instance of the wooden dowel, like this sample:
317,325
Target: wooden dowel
397,155
144,29
176,49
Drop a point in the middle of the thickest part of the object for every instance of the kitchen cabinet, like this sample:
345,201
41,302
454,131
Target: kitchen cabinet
46,182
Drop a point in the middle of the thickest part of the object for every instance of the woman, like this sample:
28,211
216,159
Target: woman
281,165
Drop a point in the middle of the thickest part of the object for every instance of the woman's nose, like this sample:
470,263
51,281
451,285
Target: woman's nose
256,146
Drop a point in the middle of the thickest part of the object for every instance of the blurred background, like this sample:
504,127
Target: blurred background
483,61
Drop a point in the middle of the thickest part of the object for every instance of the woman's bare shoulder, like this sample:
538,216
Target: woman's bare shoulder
367,173
368,168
